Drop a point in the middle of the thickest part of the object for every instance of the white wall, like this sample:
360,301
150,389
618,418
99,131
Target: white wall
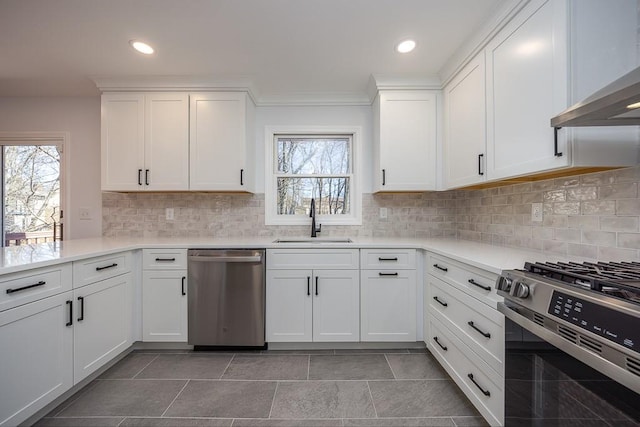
81,118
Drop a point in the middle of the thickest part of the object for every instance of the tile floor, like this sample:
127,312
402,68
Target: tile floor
270,389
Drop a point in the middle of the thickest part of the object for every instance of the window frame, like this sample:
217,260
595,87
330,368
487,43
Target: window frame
271,175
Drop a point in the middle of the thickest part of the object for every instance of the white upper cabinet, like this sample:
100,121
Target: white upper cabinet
221,127
405,133
145,140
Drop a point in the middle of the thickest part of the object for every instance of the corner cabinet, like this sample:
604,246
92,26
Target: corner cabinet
145,142
221,125
405,137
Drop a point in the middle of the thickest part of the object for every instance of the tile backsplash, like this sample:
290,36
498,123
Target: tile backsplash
591,216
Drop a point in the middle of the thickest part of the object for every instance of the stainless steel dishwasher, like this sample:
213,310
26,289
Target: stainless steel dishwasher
226,298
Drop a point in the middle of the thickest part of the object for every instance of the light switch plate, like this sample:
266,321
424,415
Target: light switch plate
84,213
383,213
169,214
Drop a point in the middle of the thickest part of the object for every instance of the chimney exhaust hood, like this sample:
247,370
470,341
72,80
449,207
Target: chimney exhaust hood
617,104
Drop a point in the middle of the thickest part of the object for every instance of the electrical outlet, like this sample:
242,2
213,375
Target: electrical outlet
84,213
383,213
536,212
169,214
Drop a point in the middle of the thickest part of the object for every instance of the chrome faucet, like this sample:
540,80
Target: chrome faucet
312,214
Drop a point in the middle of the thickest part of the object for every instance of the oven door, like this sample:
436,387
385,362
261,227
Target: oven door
546,386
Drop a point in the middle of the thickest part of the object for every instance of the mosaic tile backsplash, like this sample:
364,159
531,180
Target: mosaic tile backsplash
590,216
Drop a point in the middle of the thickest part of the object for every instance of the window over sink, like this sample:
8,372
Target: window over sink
312,163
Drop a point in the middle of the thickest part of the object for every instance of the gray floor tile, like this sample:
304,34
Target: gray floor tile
239,422
125,398
372,351
177,422
322,399
418,350
128,367
79,422
400,422
276,352
228,399
423,398
470,422
416,367
267,367
186,366
349,367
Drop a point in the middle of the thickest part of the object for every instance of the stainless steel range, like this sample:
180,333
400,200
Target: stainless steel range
588,317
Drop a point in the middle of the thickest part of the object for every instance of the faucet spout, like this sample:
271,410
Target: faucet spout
312,214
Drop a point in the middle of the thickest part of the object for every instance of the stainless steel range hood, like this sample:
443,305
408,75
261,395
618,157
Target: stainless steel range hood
607,107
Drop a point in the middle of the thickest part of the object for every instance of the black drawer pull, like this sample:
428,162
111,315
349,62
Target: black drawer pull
555,142
387,274
139,176
241,176
485,392
308,285
81,301
440,268
106,266
444,304
24,288
316,285
485,334
474,283
438,342
395,258
384,177
165,259
184,292
146,177
70,304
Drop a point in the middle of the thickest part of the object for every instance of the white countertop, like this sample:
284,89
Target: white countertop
487,257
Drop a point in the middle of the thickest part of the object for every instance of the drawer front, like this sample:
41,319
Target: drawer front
399,259
293,259
478,283
478,325
99,268
22,288
478,381
164,259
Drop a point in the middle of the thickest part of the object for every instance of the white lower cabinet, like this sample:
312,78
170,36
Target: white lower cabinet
336,305
164,305
36,356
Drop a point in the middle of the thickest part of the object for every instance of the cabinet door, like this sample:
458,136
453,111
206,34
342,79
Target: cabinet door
35,355
218,141
526,86
465,126
164,306
122,141
336,305
166,142
406,141
289,305
102,323
388,305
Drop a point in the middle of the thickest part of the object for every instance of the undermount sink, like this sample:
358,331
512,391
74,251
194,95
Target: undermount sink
313,240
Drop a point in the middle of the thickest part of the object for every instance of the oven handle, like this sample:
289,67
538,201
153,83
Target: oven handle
611,370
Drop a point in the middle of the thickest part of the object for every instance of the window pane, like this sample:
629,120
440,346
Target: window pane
306,156
331,195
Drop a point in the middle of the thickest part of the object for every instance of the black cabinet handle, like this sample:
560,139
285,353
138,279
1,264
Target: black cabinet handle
474,283
440,344
139,176
555,142
387,259
387,274
308,285
241,176
444,304
106,266
384,177
316,285
485,334
81,301
440,268
146,176
183,281
480,156
165,259
70,304
485,392
24,288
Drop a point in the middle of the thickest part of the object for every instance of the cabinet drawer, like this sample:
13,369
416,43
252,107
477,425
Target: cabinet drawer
21,288
164,259
388,258
483,386
335,259
99,268
479,326
476,282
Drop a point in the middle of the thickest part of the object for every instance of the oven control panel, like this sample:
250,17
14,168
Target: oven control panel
613,325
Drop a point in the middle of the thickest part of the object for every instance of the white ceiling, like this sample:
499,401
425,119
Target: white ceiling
286,48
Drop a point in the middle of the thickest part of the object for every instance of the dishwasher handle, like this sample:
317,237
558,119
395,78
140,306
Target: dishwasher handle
226,258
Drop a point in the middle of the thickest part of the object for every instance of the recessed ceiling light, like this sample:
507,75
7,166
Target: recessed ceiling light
406,46
141,47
